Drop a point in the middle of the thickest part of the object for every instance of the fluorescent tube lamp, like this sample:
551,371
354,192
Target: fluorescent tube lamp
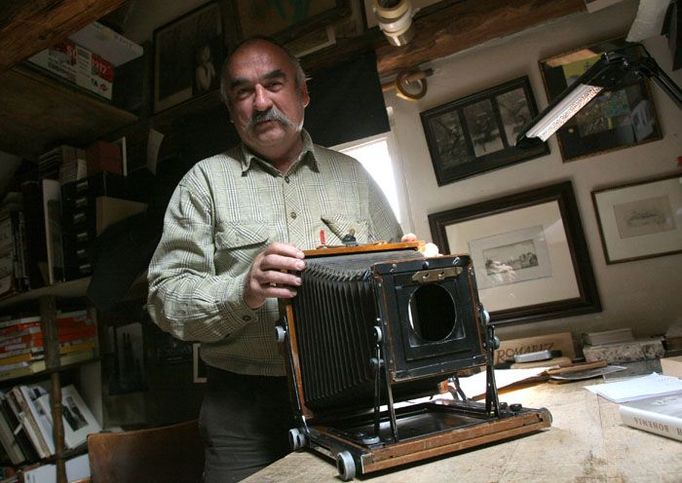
612,71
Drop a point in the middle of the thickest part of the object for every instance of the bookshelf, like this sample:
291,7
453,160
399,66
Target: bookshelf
47,299
38,111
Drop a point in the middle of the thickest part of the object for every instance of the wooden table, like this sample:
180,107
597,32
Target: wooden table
586,443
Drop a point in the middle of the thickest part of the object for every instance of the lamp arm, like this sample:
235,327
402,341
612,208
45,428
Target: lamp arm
648,67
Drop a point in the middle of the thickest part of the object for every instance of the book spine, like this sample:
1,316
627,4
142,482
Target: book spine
657,423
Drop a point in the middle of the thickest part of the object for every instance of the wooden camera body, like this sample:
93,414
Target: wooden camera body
374,328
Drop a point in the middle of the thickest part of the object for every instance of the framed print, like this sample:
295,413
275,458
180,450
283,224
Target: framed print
474,134
188,55
612,120
529,253
285,20
640,220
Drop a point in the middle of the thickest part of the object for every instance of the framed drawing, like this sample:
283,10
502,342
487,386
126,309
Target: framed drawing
188,55
640,220
285,20
474,134
529,253
612,120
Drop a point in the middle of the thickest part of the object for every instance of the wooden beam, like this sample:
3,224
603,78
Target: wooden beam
27,27
463,25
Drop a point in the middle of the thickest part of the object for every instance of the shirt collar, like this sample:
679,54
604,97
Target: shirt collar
308,155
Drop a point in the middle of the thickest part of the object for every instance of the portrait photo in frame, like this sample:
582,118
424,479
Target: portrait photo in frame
188,55
284,20
613,119
640,220
476,133
529,253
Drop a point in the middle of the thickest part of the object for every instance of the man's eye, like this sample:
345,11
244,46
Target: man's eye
274,85
243,93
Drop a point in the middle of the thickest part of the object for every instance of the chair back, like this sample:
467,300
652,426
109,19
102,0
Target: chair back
167,454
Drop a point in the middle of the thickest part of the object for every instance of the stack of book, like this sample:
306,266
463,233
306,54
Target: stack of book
22,349
26,431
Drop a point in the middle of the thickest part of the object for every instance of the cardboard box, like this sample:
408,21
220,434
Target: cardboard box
78,65
562,341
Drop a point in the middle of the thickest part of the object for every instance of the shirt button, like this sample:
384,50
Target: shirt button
246,318
286,179
293,215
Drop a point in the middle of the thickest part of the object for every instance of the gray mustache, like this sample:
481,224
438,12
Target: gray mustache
272,114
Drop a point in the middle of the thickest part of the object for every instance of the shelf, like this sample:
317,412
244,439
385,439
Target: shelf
38,112
70,289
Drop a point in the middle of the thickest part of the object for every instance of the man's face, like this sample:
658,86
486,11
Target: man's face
265,104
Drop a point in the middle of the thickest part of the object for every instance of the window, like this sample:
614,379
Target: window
374,154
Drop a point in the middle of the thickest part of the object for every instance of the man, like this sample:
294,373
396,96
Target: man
233,238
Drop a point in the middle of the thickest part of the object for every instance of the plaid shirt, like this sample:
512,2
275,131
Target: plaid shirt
224,211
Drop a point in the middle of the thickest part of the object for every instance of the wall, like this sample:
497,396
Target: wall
644,295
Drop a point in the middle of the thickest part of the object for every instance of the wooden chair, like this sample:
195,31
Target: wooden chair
168,454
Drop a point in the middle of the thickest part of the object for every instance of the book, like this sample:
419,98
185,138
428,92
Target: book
77,468
22,413
78,420
112,46
8,440
53,231
608,336
36,415
660,415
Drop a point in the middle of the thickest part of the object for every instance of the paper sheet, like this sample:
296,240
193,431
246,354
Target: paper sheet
638,388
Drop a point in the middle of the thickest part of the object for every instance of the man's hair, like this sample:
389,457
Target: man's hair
224,86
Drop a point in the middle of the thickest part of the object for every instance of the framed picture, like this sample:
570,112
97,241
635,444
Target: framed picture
285,20
640,220
529,253
188,55
475,134
612,120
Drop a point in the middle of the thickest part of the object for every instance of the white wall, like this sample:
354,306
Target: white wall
645,295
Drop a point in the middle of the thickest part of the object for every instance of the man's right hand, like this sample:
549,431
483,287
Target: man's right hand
268,277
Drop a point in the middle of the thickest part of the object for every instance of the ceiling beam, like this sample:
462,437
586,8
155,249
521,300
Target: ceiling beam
463,25
27,27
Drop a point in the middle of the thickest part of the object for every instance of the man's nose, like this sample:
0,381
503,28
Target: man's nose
261,100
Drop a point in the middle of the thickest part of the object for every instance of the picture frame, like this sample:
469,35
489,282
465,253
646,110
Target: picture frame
640,220
188,55
529,253
477,133
284,20
612,120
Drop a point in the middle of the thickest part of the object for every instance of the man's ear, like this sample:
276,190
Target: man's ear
304,94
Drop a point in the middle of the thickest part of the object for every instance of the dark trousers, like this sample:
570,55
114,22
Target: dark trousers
244,421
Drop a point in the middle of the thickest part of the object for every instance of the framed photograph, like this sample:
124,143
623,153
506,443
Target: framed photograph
475,134
188,55
285,20
640,220
529,253
612,120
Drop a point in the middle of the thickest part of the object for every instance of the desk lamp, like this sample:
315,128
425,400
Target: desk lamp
614,70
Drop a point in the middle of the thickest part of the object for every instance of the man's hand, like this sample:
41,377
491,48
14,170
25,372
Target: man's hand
409,237
267,277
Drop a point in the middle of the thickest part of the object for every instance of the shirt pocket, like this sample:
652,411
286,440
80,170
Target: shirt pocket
341,225
237,243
